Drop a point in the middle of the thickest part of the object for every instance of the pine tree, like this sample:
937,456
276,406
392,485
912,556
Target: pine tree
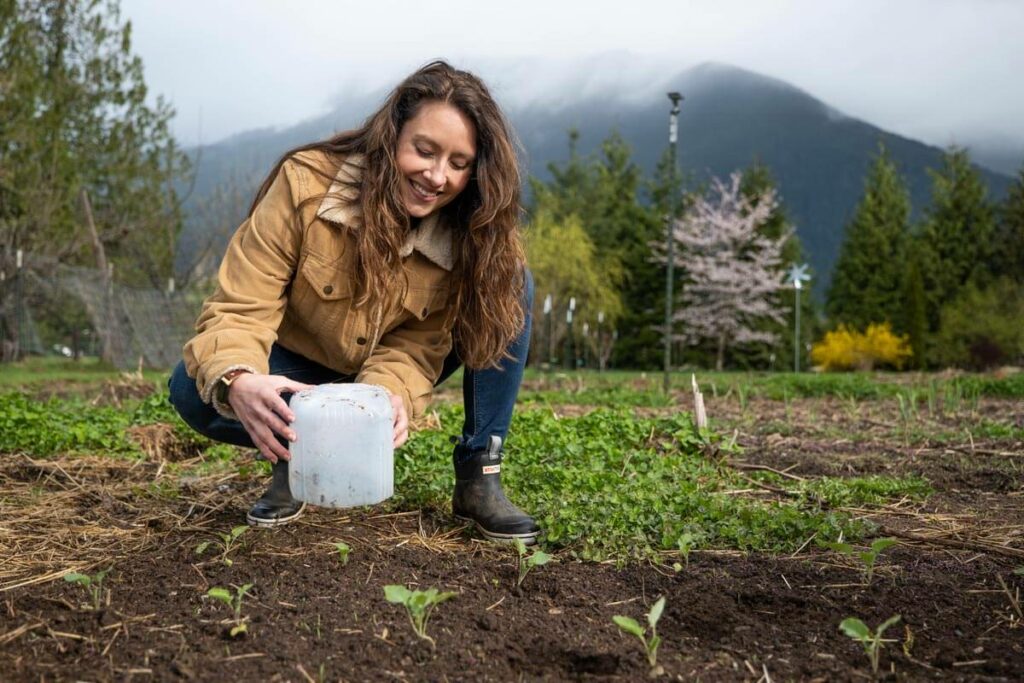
958,234
602,193
757,181
74,119
1009,256
868,276
914,321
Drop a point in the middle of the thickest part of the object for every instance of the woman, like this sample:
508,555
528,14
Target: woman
387,255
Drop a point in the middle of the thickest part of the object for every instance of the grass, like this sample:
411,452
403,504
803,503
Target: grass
35,371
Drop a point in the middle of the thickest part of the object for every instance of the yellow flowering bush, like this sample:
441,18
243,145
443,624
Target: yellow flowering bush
848,349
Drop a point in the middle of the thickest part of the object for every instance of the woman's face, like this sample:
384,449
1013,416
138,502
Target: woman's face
436,151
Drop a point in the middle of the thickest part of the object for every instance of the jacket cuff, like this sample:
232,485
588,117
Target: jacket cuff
209,395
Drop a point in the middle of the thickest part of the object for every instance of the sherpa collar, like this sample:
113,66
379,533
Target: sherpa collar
432,238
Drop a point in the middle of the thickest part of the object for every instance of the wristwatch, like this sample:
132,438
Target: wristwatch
225,381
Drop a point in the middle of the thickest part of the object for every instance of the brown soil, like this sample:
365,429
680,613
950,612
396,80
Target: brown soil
729,616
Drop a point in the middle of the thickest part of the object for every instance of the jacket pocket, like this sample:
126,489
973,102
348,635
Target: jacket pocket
321,296
422,301
328,281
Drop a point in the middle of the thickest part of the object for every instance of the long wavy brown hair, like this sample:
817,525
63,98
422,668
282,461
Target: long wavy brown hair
489,257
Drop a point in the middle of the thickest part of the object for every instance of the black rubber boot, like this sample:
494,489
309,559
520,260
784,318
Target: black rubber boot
480,500
276,507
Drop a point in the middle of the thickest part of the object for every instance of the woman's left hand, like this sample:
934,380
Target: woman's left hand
401,420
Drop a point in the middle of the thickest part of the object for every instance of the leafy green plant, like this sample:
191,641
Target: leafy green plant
93,585
871,640
234,601
867,557
528,560
418,604
226,542
630,625
343,551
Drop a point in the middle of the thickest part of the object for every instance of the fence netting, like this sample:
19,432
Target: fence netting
125,325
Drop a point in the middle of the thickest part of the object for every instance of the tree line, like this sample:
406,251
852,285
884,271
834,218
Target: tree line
951,285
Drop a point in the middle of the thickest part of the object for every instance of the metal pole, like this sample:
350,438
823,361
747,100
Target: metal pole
796,332
673,126
551,340
18,315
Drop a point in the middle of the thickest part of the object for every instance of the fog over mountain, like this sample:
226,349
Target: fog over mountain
729,118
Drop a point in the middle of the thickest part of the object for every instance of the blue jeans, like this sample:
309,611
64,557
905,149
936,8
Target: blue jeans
489,395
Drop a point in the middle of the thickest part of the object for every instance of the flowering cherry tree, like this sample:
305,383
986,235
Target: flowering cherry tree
733,271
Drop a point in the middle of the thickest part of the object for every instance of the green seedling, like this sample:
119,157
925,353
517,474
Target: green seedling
867,557
685,544
418,604
528,560
226,542
92,584
871,640
234,601
630,625
343,551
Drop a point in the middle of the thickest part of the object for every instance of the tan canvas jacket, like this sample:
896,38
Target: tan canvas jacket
288,277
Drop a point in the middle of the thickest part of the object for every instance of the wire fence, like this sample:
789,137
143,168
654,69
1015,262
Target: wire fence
48,308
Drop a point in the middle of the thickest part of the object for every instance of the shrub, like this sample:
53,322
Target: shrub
983,328
848,349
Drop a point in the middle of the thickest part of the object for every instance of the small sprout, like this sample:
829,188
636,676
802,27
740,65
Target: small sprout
234,601
685,544
867,557
872,641
418,604
226,542
92,584
528,561
630,625
1019,571
343,551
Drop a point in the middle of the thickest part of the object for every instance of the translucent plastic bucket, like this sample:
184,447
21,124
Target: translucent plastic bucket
343,454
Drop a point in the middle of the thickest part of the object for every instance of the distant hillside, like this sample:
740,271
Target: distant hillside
729,117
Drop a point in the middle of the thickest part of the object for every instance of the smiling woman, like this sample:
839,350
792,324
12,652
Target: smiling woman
386,255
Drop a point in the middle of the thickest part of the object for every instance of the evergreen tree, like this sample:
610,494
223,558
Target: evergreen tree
757,181
868,276
602,193
1009,241
914,321
74,122
958,234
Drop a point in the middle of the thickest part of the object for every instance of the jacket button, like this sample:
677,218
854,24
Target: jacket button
361,341
424,313
328,289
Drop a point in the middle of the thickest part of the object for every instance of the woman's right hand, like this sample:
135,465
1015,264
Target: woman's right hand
256,400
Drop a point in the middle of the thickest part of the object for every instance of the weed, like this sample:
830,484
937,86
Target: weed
418,604
867,557
343,551
226,543
234,601
93,584
630,625
528,560
871,640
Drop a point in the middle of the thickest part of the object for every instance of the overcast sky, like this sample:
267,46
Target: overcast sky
937,70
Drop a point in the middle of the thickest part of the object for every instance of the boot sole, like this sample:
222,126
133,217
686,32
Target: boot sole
527,538
263,523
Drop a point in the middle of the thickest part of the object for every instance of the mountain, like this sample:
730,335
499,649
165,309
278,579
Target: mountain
729,118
